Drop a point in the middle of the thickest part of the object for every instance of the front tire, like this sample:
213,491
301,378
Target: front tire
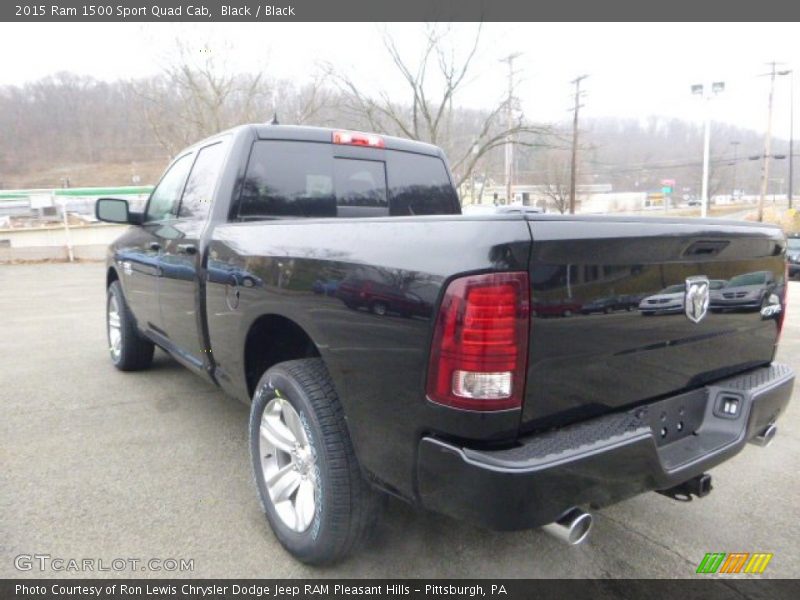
308,478
128,349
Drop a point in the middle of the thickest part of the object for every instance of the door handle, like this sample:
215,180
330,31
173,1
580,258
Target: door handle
154,246
189,249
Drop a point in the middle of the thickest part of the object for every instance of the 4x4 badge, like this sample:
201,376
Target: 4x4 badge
695,304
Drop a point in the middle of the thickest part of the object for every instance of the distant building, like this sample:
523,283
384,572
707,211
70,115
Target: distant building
530,195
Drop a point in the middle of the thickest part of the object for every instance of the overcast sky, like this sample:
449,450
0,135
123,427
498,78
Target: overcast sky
635,70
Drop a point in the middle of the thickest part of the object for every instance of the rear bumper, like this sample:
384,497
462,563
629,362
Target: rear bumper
604,460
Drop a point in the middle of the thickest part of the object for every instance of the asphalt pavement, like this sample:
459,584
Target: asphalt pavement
102,465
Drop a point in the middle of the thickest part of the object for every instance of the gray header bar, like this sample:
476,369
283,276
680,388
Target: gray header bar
396,10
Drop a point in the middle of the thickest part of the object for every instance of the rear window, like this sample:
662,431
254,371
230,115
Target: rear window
306,179
419,185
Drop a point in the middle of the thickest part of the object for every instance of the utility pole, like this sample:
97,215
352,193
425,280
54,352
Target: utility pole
509,149
735,145
573,170
767,145
790,73
791,139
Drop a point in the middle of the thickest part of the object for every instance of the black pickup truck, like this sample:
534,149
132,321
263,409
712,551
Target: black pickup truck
387,343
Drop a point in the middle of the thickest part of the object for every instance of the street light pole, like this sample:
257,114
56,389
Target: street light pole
706,159
699,89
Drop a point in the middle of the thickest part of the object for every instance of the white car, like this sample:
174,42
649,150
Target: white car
668,301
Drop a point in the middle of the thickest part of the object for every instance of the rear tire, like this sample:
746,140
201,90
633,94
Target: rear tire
317,462
380,309
128,349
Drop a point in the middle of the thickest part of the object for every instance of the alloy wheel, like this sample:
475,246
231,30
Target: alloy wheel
288,463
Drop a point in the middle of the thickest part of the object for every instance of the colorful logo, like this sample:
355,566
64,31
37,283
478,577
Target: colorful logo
734,562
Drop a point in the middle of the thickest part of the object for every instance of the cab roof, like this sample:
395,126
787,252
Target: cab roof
302,133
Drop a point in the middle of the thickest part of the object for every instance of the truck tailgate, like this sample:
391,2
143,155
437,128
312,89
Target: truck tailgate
604,338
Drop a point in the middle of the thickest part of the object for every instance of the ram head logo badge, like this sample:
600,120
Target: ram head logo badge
695,303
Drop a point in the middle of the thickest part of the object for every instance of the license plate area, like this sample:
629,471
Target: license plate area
677,417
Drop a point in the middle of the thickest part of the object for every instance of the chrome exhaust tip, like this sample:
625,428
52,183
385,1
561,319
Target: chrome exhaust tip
572,528
765,438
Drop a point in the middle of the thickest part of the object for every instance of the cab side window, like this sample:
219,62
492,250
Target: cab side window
165,198
200,187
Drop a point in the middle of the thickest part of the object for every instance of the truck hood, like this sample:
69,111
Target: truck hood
584,365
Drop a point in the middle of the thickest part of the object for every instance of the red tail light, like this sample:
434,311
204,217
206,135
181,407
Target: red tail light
355,138
480,343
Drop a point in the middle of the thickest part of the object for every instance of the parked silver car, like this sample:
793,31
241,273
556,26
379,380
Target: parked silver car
746,291
667,301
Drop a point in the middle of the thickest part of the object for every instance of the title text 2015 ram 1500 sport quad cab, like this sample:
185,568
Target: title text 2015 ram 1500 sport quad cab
386,343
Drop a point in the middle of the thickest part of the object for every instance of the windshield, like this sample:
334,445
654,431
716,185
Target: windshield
748,279
794,243
673,289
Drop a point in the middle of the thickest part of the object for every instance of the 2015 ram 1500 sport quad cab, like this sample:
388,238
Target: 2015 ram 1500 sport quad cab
387,343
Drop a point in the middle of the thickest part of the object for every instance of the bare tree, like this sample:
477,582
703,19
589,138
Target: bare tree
97,129
198,94
556,181
433,81
309,103
719,179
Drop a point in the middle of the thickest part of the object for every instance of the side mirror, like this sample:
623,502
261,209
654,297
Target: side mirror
115,210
